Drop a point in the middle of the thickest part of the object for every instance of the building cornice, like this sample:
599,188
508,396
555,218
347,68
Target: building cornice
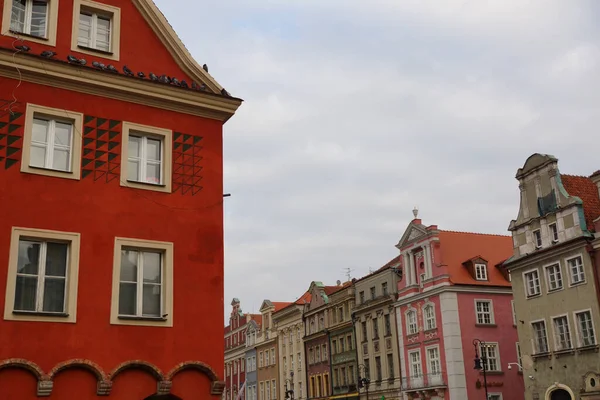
77,78
455,289
546,253
380,301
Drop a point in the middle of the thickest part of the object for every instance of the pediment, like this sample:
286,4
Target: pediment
266,304
412,233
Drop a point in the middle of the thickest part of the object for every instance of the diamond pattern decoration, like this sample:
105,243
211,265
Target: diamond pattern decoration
187,163
101,149
11,133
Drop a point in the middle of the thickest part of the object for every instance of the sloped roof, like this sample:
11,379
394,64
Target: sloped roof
280,305
584,188
392,262
458,247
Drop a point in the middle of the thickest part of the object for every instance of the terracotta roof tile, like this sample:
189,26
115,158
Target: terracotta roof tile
280,305
393,261
331,289
587,191
305,298
458,247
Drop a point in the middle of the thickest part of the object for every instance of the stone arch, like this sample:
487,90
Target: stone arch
21,363
104,385
216,385
558,386
138,364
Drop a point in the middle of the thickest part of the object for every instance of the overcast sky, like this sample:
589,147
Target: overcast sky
357,111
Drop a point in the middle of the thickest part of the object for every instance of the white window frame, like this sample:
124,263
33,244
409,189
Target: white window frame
429,360
537,234
519,355
498,396
72,274
96,15
166,135
558,277
411,364
483,313
72,117
166,319
569,336
553,229
578,329
534,338
481,272
411,328
496,347
51,24
115,28
570,270
429,322
526,283
514,312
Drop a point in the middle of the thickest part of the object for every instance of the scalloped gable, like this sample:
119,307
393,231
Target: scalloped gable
165,32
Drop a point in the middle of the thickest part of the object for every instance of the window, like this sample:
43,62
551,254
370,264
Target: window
586,328
42,276
341,314
532,283
273,389
342,346
562,333
343,377
362,297
537,238
364,331
554,277
415,364
299,360
325,356
375,328
146,164
553,232
576,270
519,358
384,288
495,396
318,354
142,283
390,362
349,344
429,314
284,364
291,363
484,310
373,293
433,361
52,142
388,325
481,272
540,337
351,374
34,18
334,347
411,322
514,312
96,29
268,390
492,356
378,368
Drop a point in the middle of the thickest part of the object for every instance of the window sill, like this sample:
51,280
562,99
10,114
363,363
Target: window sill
41,314
555,290
160,185
108,53
577,284
132,318
585,349
531,296
540,355
28,35
563,352
486,325
430,330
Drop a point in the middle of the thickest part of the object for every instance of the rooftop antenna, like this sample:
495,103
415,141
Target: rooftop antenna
348,273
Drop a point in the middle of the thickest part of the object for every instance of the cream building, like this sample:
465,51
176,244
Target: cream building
290,331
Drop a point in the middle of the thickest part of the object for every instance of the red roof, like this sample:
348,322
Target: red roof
587,191
305,298
280,305
393,261
458,247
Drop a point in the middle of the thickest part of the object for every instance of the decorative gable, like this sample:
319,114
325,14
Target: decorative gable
414,231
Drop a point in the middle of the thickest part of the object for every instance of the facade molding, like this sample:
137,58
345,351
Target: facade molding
59,74
406,300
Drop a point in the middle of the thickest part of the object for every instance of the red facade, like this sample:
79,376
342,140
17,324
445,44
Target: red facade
93,345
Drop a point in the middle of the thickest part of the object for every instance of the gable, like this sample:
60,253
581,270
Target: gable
412,233
147,42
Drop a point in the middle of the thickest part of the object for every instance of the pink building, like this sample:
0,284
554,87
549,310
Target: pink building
451,292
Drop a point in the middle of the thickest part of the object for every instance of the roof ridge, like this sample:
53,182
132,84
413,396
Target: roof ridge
475,233
577,176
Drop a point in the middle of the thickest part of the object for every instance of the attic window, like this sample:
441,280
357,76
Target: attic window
96,29
481,272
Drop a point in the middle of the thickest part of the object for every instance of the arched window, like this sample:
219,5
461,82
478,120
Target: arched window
411,322
429,316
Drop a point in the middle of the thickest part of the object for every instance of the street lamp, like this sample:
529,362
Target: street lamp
481,363
364,381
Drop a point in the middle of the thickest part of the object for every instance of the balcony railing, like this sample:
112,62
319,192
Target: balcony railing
423,381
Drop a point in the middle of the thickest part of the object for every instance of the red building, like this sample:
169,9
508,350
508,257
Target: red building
455,305
111,225
235,349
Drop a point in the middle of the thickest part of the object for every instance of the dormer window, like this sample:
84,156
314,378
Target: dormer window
537,238
481,272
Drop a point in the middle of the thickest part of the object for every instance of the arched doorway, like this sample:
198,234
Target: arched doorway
560,394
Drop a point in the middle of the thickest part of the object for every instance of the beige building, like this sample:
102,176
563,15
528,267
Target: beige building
555,281
375,326
290,332
267,373
342,342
